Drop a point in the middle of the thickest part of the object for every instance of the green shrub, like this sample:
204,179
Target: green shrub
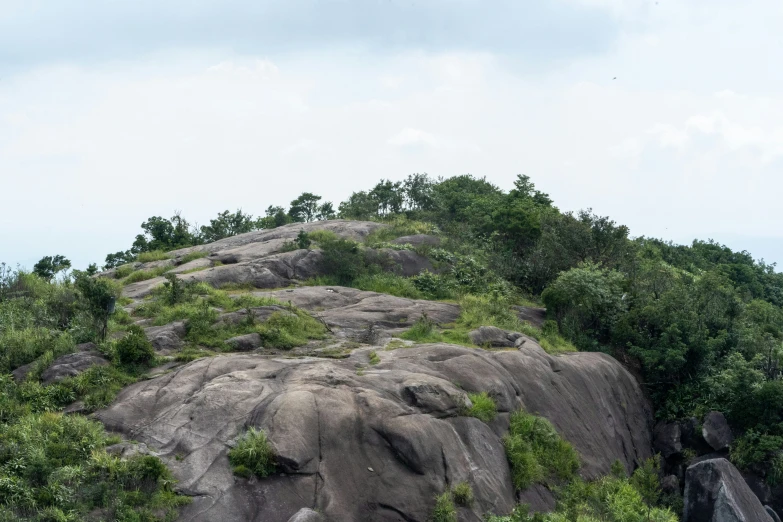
144,275
252,455
422,331
462,494
153,255
322,236
387,283
135,348
302,240
484,407
537,453
342,259
288,330
374,359
444,510
123,271
760,452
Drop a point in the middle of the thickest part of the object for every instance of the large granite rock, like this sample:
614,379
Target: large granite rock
72,365
381,443
716,431
716,492
666,438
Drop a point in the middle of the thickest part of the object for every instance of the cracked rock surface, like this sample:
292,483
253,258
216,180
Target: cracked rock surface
380,443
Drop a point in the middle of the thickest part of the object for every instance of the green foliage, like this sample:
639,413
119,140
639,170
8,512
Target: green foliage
320,236
144,275
252,455
134,348
586,301
444,510
291,329
374,359
228,224
387,283
422,331
152,255
302,240
49,266
483,407
174,290
123,271
462,494
761,453
98,294
306,208
537,453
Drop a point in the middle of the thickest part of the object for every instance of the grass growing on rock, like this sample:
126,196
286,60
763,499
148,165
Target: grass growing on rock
483,408
144,275
192,256
252,455
444,510
537,453
388,283
154,255
462,494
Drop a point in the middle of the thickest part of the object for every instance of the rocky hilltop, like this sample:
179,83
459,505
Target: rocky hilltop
357,439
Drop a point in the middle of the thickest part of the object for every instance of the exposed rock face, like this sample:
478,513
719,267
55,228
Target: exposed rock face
417,240
352,309
492,336
256,258
716,492
306,515
666,437
72,365
166,339
378,444
534,316
716,431
244,343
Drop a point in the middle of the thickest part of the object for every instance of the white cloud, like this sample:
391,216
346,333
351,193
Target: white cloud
414,137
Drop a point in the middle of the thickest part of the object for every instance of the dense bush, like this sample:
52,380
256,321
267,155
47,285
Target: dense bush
134,348
252,455
483,407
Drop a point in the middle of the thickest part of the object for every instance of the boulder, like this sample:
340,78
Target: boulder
20,374
771,512
417,240
670,484
666,439
534,316
716,492
72,365
491,336
378,444
168,338
244,343
716,431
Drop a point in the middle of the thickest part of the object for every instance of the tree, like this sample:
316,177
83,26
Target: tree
305,208
417,190
325,211
49,266
164,234
275,217
389,196
99,295
228,224
118,258
360,205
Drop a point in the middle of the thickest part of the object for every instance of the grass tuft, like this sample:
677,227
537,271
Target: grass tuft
154,255
444,510
192,256
252,455
462,494
484,407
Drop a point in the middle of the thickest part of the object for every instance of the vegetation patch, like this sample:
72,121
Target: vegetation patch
462,494
152,255
144,275
444,510
537,453
483,408
252,455
374,359
192,256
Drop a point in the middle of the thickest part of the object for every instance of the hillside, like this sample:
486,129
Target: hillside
442,351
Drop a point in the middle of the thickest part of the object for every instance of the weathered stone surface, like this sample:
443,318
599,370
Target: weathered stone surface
127,450
244,343
342,307
20,374
381,444
192,265
716,492
406,262
716,431
771,512
417,240
166,339
72,365
666,439
307,515
532,315
492,336
670,484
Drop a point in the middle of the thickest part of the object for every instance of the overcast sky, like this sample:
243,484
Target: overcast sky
111,112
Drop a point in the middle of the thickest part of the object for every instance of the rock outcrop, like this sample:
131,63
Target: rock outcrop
716,431
716,492
358,442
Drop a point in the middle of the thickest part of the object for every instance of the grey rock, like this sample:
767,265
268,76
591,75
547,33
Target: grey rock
534,316
244,343
491,336
307,515
670,484
406,262
72,365
716,431
771,512
260,314
330,425
417,240
127,450
716,492
20,374
166,339
191,265
666,439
